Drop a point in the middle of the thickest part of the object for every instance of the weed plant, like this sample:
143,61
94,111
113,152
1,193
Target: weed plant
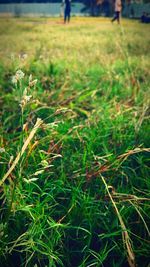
74,143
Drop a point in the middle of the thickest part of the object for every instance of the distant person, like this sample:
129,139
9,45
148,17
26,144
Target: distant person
148,18
132,12
118,8
145,18
67,10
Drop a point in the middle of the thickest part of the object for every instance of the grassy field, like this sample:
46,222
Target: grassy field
74,143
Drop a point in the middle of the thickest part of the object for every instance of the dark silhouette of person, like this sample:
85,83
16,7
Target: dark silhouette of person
148,18
118,7
67,10
132,12
145,18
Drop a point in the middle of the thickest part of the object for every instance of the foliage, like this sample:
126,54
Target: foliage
75,187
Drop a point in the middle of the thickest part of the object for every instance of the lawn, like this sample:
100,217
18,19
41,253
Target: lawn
74,143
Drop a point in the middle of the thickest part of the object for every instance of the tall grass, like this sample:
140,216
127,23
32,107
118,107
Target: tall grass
74,183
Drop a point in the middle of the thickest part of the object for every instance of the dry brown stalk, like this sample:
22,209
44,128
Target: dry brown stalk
133,151
60,220
125,235
31,135
128,197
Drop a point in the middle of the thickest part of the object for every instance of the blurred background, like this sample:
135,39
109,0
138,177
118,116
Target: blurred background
45,8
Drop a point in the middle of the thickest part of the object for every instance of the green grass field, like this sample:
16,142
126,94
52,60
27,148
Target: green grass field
74,143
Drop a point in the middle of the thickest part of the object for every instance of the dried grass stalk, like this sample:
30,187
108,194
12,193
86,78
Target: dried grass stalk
125,235
28,140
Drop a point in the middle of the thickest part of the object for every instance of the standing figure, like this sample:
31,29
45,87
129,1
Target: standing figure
67,10
118,7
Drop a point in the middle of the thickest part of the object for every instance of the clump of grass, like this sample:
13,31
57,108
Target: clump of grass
74,183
